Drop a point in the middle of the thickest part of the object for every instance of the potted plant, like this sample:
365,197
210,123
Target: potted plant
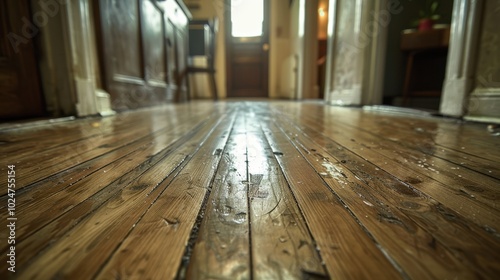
428,15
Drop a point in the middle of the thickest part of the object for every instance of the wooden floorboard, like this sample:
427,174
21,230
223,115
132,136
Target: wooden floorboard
381,213
252,190
475,196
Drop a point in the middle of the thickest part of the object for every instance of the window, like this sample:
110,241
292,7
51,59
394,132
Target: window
247,17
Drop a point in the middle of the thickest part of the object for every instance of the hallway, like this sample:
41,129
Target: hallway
253,190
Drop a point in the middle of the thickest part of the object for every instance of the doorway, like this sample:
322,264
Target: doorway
415,61
247,48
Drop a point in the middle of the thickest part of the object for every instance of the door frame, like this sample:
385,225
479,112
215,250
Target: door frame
368,50
460,98
307,67
228,46
79,93
92,99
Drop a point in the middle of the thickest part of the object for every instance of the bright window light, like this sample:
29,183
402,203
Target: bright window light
247,17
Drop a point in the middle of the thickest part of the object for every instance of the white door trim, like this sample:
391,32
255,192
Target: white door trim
460,68
366,51
79,35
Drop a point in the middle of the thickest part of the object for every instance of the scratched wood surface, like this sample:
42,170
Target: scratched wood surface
253,190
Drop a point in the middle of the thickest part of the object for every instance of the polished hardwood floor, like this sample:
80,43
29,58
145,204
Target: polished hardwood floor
252,190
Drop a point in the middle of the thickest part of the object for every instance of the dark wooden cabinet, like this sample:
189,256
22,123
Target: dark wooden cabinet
142,49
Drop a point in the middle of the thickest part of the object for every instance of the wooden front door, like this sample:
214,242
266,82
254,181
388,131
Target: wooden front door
247,50
20,94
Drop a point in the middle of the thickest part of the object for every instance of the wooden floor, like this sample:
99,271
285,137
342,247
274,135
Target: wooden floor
253,190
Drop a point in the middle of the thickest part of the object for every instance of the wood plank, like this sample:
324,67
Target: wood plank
423,134
440,169
169,221
51,201
396,229
328,220
56,182
222,249
70,155
288,191
30,137
464,137
478,208
64,219
19,143
469,139
282,246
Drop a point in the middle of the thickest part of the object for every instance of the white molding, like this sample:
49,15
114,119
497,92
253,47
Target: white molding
484,104
90,99
374,86
490,92
104,103
455,96
367,51
309,51
464,37
345,97
482,119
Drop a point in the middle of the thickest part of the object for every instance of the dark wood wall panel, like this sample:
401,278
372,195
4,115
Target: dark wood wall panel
172,68
139,55
124,38
154,43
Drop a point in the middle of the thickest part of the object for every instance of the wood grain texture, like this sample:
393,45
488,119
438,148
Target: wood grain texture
169,221
64,195
254,190
222,247
477,191
71,210
328,219
122,205
91,143
282,245
379,214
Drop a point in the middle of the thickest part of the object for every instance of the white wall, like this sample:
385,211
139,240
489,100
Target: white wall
279,40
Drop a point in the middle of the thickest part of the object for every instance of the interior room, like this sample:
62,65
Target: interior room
249,139
418,85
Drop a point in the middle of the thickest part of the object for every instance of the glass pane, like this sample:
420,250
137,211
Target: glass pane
247,17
